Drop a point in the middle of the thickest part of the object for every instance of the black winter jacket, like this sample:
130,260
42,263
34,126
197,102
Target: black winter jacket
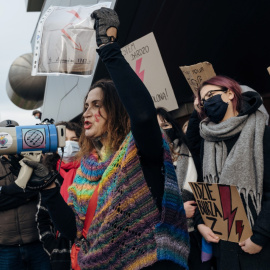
17,210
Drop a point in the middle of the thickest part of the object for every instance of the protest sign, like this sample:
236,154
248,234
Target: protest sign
66,41
144,57
222,210
197,74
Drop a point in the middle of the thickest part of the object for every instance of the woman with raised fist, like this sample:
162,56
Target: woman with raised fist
126,211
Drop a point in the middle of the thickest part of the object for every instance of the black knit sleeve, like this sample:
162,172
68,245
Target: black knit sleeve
141,110
12,196
197,218
45,228
193,133
195,142
57,246
137,101
63,217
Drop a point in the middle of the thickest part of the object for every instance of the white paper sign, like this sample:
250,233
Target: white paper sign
66,41
144,57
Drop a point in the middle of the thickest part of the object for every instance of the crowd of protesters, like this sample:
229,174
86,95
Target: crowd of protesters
121,199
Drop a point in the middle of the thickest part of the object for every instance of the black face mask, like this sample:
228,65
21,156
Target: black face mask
170,133
215,108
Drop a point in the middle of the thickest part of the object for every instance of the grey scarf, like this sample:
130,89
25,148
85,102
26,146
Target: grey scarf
243,167
182,164
181,173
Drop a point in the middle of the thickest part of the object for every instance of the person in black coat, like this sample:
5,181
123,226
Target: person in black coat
234,131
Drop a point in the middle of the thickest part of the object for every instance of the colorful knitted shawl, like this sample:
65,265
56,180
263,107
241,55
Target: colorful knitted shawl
127,231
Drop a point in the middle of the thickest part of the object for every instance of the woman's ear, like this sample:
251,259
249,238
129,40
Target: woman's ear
230,94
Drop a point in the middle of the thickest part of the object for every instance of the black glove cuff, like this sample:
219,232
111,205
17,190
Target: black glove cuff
38,183
104,40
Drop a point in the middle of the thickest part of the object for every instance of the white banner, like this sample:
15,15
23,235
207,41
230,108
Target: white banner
144,57
66,41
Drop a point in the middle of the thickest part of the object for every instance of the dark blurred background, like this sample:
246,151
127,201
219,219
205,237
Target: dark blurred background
232,35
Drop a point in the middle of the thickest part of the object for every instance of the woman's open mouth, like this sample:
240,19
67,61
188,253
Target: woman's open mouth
87,124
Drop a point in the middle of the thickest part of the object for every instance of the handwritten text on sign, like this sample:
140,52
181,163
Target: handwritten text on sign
144,57
222,210
197,74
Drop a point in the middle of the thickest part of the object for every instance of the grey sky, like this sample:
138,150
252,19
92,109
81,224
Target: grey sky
17,27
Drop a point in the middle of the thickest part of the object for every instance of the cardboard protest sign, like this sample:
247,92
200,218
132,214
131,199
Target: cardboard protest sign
222,210
197,74
144,57
66,41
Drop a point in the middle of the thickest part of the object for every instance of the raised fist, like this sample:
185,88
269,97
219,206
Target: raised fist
105,18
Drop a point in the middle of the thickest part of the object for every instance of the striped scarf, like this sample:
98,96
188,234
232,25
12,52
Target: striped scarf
127,231
87,178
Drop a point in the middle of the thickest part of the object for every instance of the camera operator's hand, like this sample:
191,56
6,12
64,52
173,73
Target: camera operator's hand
106,25
41,176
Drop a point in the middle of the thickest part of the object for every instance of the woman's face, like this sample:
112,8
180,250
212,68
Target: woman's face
218,109
209,91
95,116
163,123
71,135
167,128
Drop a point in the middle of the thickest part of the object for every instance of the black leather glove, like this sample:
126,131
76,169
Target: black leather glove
104,19
41,176
15,166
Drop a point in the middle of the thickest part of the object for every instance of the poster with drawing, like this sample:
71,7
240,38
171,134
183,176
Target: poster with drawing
144,57
197,74
222,210
66,41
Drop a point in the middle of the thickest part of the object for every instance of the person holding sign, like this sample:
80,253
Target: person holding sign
125,198
186,171
182,159
235,150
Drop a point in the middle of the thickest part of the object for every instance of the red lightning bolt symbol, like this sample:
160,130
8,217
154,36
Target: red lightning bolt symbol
239,228
137,70
77,47
226,203
74,13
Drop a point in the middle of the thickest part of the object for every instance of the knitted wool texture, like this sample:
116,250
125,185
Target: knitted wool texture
87,178
127,231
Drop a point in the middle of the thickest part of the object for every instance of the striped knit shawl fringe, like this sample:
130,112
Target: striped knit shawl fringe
127,231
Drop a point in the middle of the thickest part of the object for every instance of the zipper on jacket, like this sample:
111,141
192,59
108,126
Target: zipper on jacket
18,226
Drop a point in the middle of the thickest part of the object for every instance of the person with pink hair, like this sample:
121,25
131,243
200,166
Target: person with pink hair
234,143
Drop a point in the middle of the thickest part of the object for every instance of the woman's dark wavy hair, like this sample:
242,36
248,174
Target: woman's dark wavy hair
118,123
166,117
73,126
